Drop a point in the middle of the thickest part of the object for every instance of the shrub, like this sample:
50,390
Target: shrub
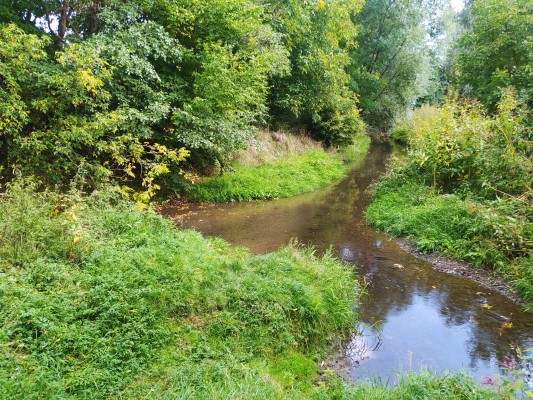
459,148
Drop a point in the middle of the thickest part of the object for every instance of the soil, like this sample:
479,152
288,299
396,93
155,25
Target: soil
450,266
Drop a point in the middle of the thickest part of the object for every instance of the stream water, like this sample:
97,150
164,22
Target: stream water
413,317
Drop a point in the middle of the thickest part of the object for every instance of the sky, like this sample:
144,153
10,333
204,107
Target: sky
457,5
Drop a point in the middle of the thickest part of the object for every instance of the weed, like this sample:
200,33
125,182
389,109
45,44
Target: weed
464,188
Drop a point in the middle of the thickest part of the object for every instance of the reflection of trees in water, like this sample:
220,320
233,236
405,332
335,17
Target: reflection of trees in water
487,341
365,340
342,208
336,218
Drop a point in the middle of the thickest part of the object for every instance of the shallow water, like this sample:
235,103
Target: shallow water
413,316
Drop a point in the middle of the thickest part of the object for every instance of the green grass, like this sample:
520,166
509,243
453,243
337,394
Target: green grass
100,300
489,233
420,386
280,178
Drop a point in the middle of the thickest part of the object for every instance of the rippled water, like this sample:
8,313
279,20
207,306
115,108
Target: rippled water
413,316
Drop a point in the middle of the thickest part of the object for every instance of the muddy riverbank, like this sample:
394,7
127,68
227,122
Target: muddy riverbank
445,264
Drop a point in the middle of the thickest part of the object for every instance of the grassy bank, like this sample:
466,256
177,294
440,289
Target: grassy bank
278,165
101,300
479,232
464,189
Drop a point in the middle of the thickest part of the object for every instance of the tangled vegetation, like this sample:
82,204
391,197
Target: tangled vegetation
126,90
131,91
101,300
464,187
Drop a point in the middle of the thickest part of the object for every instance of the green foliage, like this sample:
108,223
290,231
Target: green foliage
282,178
163,75
424,385
464,188
480,233
315,94
76,113
393,62
232,54
458,148
99,299
496,51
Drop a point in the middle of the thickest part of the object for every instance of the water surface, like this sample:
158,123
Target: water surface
414,316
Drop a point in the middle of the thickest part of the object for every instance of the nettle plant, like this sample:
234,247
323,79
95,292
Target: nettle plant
460,148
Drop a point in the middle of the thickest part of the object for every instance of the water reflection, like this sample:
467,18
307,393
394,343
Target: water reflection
426,318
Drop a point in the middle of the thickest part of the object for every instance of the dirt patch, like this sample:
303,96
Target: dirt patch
454,267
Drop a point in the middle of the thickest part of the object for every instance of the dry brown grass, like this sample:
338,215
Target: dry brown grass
269,146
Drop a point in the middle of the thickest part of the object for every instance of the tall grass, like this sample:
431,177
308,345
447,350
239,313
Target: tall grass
99,299
464,187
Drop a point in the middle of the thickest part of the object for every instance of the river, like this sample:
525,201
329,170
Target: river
413,316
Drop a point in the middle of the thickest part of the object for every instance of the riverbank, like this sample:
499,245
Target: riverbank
99,299
462,229
464,188
277,165
484,277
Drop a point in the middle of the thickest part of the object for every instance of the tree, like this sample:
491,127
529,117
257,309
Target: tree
315,94
496,51
398,55
231,54
63,116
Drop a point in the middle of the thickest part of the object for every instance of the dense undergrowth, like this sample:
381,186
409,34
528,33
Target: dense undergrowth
288,174
101,300
464,188
98,298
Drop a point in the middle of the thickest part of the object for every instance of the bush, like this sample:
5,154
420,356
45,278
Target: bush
464,187
459,148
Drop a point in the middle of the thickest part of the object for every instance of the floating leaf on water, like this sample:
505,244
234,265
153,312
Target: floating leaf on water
486,306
